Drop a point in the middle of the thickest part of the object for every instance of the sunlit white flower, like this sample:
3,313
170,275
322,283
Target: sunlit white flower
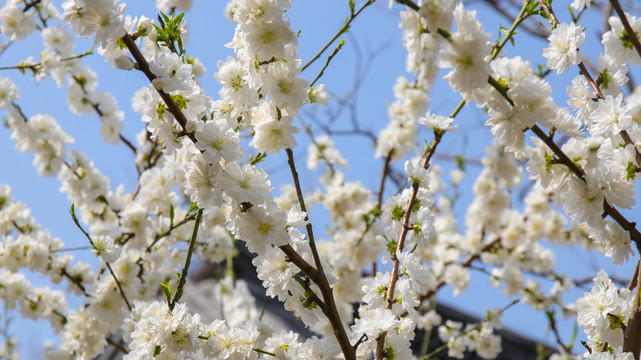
438,122
563,50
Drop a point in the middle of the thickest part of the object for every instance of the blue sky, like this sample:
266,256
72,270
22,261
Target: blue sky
373,36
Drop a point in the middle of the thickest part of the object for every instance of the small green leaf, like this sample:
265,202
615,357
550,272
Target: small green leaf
366,218
460,164
391,246
165,17
192,207
631,171
166,290
260,157
178,19
161,33
397,213
416,206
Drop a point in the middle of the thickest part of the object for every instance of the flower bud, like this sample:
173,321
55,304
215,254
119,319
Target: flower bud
123,62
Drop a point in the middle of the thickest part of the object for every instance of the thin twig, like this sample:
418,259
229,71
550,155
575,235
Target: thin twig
35,65
122,348
75,281
183,275
340,31
72,211
633,282
574,168
632,332
331,311
143,66
632,36
168,232
329,59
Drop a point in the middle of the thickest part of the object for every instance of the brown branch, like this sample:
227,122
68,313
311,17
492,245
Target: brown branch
96,108
427,156
168,232
557,335
35,66
122,348
632,333
29,5
331,311
633,282
127,143
574,168
143,66
597,89
593,84
632,36
74,280
292,256
500,8
313,297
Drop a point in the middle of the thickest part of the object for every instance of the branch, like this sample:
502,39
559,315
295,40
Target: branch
33,66
72,211
122,348
168,232
143,66
632,36
329,59
574,168
331,310
427,156
183,275
596,88
632,333
96,107
74,280
340,31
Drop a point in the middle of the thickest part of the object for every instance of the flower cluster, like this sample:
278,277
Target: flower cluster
368,282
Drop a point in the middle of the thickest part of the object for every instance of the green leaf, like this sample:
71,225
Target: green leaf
161,33
171,215
416,206
165,17
458,159
631,171
178,19
192,207
391,246
166,289
352,4
616,321
397,213
550,315
366,218
260,157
